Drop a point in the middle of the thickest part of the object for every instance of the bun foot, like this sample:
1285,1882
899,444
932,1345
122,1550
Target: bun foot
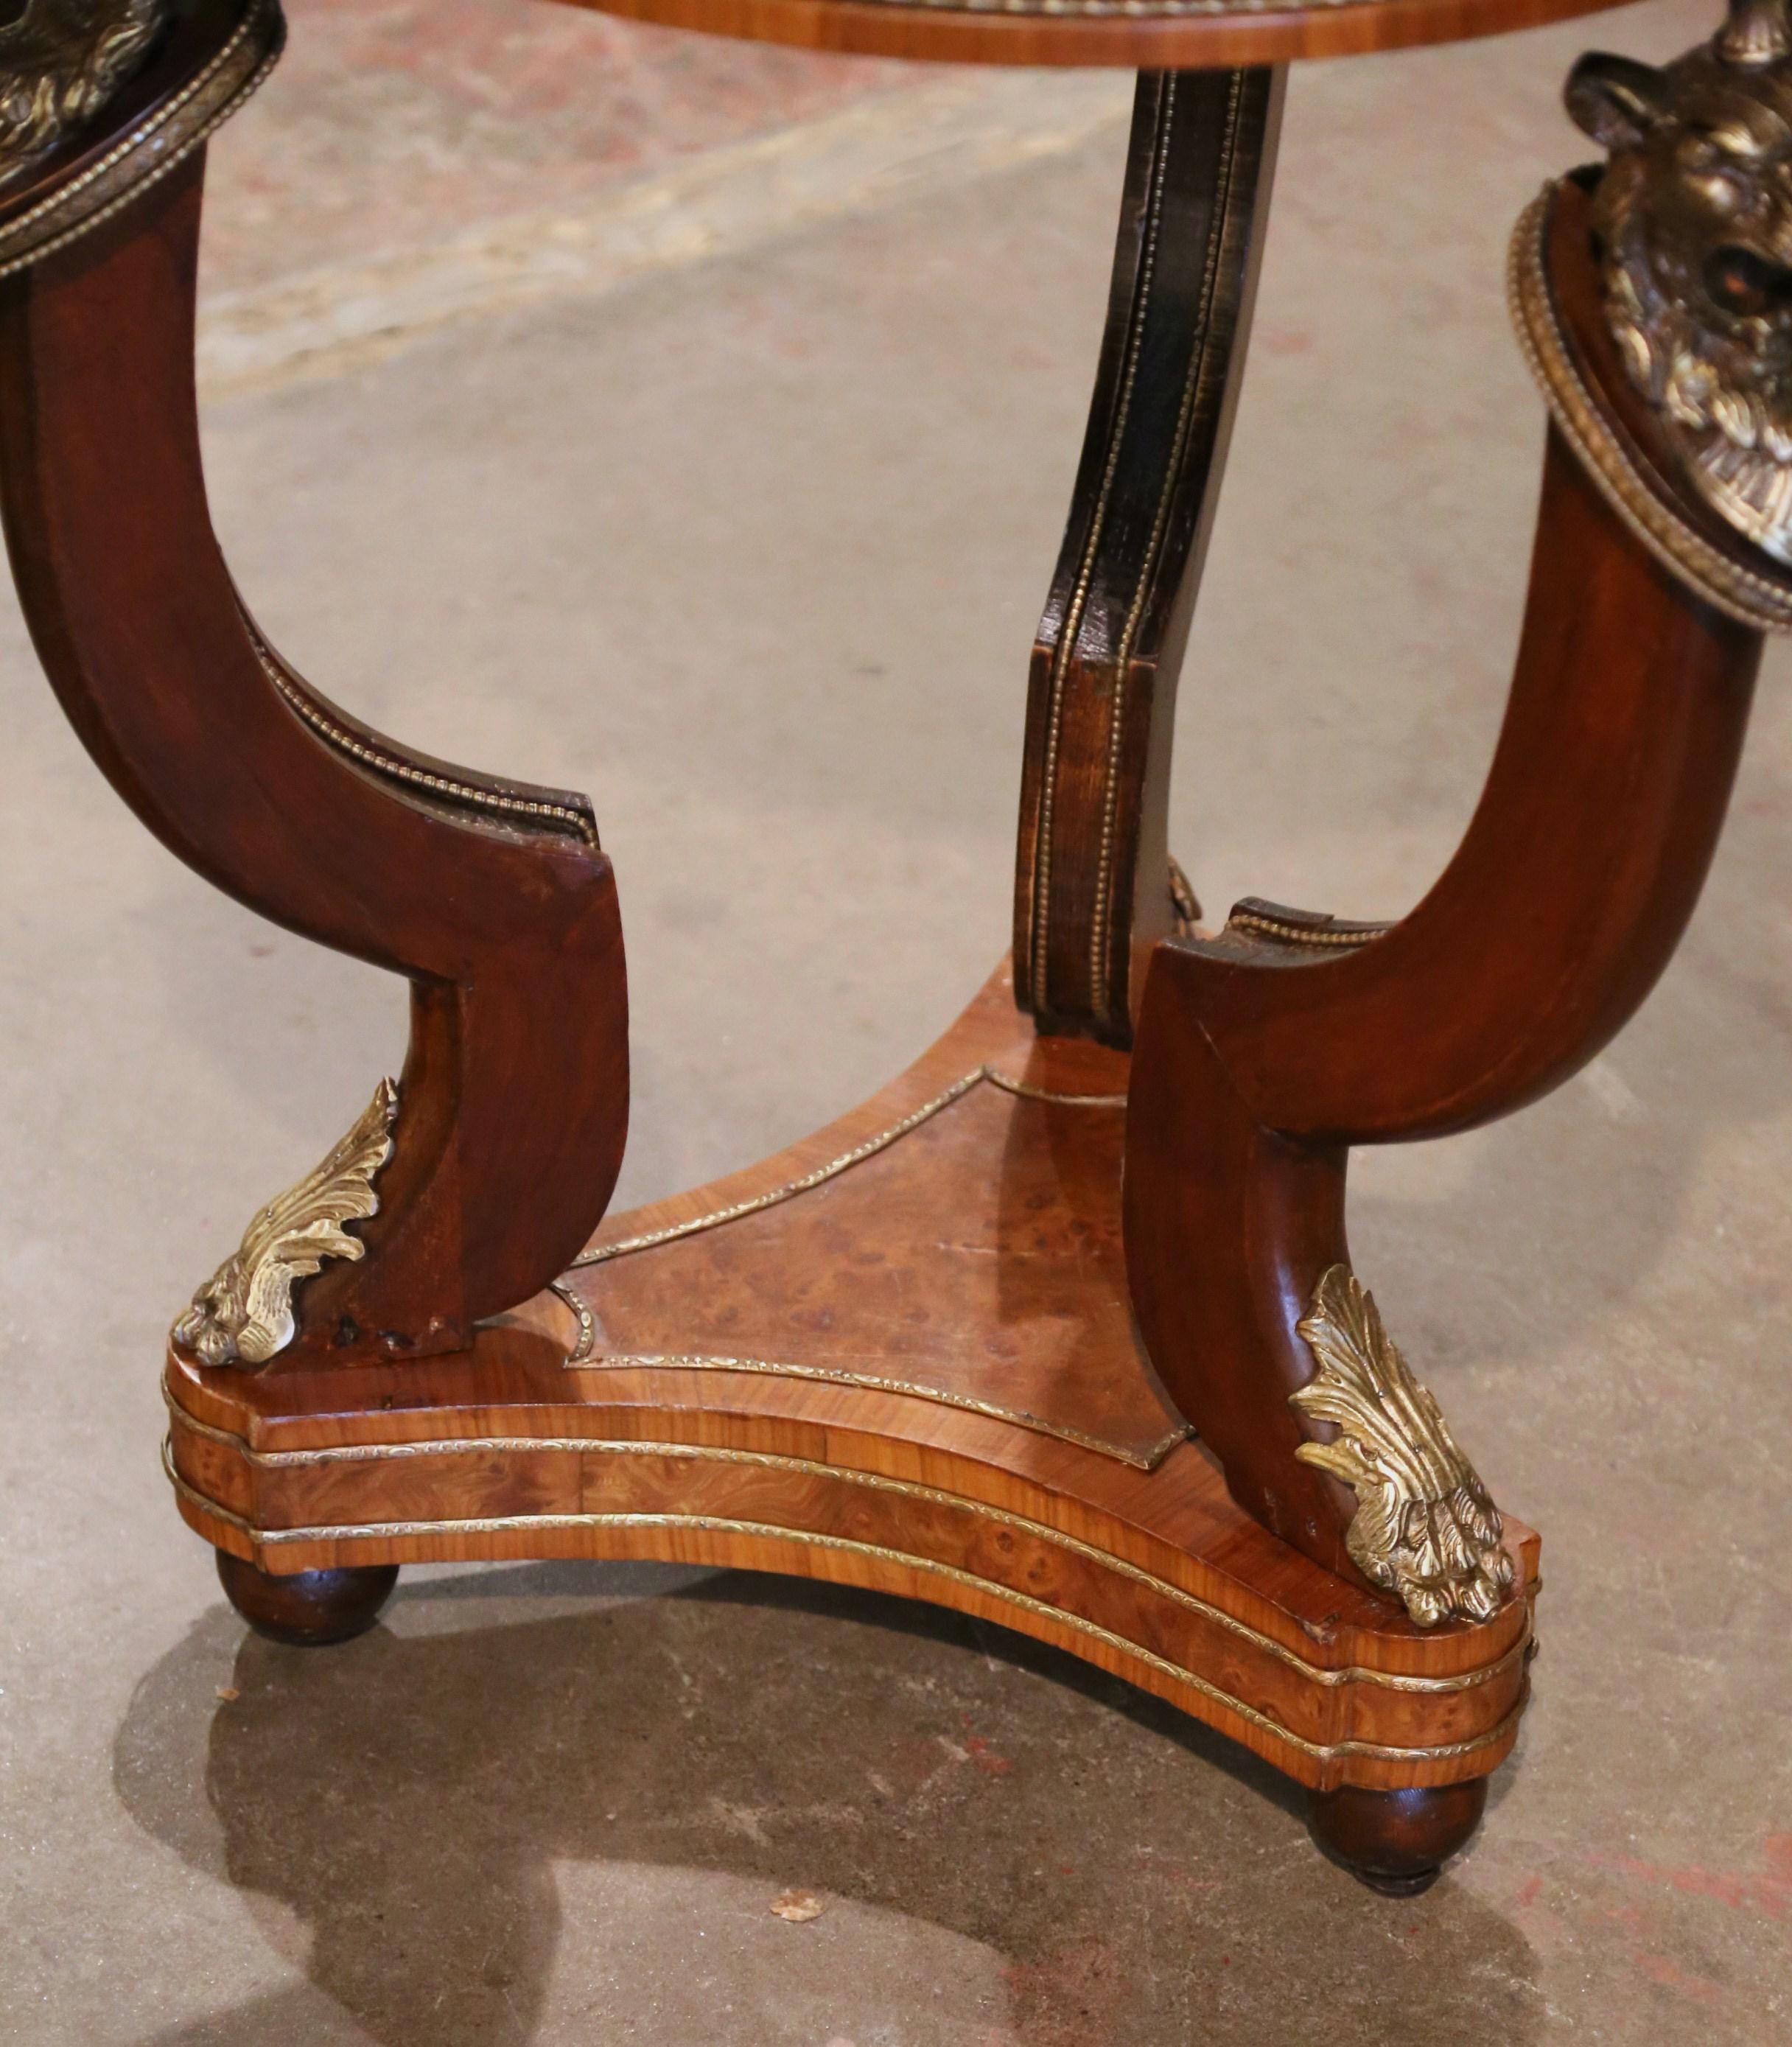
309,1609
1397,1842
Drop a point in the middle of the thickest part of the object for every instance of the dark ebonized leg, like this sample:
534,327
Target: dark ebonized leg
1397,1842
309,1609
1092,881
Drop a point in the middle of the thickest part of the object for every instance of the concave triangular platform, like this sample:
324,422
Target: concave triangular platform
898,1355
958,1237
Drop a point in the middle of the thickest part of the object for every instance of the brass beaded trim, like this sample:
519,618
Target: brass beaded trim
397,769
1146,1459
577,1358
1391,1680
844,1545
1040,880
1299,934
601,1253
1750,599
598,1254
1030,1093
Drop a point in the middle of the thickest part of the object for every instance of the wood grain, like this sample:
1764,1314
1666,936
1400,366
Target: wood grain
1147,1568
1262,1058
491,897
1092,892
967,1247
1228,36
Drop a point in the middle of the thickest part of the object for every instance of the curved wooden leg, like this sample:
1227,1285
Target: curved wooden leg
1092,888
1397,1842
308,1609
1264,1054
479,1174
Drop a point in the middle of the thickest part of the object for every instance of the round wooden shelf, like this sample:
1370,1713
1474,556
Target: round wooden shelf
1153,35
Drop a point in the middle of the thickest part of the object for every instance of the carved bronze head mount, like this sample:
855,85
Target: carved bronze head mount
61,63
1694,215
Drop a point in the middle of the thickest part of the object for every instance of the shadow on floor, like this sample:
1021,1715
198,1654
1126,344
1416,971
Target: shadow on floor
394,1809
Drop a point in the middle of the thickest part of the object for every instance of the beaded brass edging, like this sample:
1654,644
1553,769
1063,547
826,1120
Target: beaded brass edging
1391,1680
765,1531
1219,229
1039,881
165,139
579,1358
581,1361
1739,594
512,810
1257,926
1028,1093
600,1253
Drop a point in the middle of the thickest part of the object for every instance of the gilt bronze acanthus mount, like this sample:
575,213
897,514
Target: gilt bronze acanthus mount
243,1314
938,1329
1425,1528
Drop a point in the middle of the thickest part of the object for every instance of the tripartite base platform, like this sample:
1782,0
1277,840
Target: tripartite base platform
896,1355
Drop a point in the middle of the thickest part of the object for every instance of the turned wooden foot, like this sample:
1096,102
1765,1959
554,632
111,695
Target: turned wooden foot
309,1609
1397,1842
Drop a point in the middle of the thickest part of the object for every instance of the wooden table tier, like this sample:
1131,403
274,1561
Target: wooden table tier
1157,35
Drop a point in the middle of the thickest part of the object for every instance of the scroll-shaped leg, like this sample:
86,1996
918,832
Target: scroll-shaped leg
1091,888
1264,1055
477,1179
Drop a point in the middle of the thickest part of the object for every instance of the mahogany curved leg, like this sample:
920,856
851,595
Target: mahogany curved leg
1091,889
1397,1842
306,1609
1264,1054
481,1174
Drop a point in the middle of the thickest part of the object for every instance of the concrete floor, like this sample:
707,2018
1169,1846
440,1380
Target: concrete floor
741,521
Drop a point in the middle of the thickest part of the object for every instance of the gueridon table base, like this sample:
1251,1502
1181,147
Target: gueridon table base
1060,1330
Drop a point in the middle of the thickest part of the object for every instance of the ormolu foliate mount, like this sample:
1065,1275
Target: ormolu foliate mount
1061,1328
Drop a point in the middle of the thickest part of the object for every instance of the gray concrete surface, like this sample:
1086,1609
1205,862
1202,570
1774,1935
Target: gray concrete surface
751,547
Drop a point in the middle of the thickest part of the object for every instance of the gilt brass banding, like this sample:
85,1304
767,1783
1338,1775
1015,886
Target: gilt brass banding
1028,1092
581,1356
1200,356
599,1254
387,762
1072,627
848,1546
1301,934
1146,1459
587,1323
1740,593
875,1481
